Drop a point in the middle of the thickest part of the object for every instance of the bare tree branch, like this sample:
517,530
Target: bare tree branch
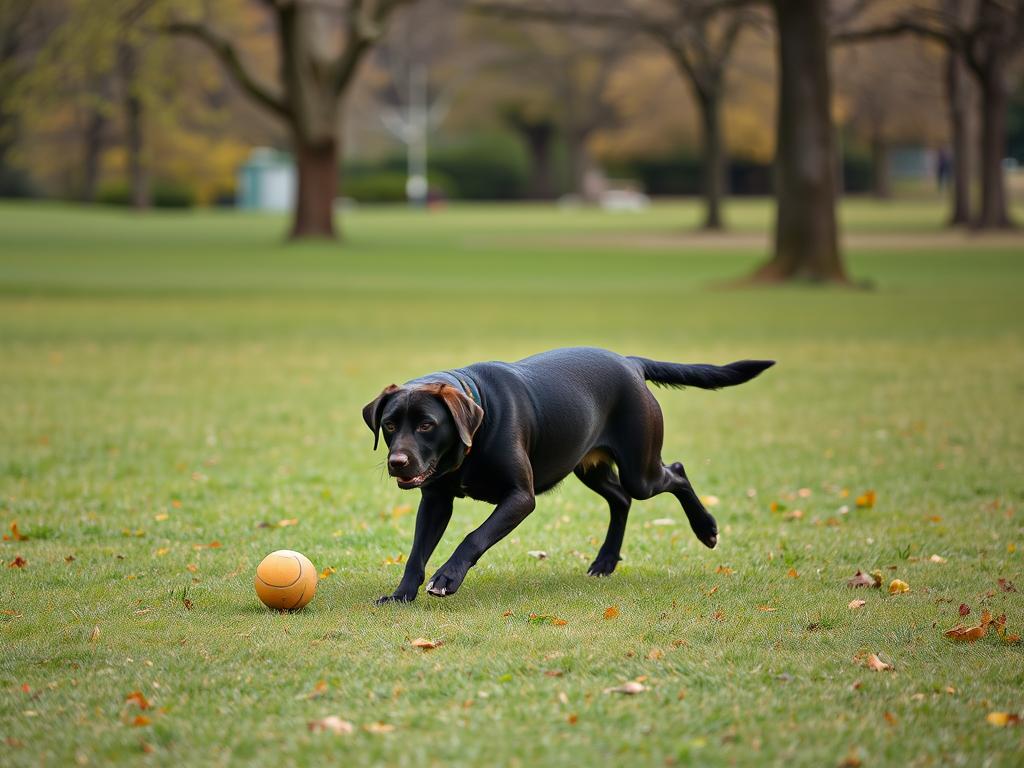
229,58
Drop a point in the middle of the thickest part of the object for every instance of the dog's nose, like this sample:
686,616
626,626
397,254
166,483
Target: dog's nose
398,460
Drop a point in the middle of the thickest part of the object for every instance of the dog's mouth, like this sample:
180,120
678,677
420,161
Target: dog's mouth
416,480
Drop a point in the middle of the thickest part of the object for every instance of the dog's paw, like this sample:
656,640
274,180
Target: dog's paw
603,565
398,597
448,580
707,532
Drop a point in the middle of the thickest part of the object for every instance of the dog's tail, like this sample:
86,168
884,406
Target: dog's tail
701,375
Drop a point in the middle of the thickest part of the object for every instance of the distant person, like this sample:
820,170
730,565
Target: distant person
943,166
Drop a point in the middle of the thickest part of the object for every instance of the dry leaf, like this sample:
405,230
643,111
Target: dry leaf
141,721
160,517
663,521
553,673
965,634
136,697
95,634
16,535
861,579
1003,719
327,572
866,500
191,567
540,554
378,728
18,562
710,501
426,645
964,609
559,622
318,690
724,570
713,590
791,573
898,587
630,689
611,612
877,664
890,718
287,522
654,654
857,604
572,719
766,608
937,559
1006,585
331,724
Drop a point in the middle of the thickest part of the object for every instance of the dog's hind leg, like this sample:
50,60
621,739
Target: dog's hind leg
601,479
637,448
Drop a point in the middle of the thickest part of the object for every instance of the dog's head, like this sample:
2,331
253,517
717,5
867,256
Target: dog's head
428,429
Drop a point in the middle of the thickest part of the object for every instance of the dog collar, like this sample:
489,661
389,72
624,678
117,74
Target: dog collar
456,379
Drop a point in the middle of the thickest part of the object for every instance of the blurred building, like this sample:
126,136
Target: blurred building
266,182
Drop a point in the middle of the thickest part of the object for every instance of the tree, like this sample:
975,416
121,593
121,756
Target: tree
986,41
698,37
316,71
806,239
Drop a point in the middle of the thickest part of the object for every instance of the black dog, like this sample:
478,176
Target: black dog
504,432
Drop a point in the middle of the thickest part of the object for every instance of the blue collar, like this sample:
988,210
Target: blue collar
457,379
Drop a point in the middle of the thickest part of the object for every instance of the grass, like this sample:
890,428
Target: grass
173,380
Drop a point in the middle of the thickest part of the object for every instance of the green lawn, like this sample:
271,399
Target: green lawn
173,380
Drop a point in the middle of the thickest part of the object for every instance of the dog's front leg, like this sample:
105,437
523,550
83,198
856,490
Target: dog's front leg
431,520
512,510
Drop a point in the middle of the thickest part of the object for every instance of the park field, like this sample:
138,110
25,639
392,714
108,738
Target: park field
180,394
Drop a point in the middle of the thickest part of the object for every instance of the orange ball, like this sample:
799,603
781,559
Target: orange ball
285,580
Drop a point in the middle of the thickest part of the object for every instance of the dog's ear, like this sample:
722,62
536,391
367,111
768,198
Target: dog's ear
372,411
467,414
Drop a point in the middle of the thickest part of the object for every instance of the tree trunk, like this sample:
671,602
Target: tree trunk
317,170
95,128
960,173
138,174
537,137
581,166
806,240
993,214
713,170
880,182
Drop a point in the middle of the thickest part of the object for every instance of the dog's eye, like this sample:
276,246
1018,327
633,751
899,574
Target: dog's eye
426,426
389,426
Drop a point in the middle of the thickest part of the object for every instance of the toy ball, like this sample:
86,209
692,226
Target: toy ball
285,580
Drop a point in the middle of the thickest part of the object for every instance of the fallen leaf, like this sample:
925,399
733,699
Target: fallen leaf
857,604
162,551
327,572
876,664
629,689
191,567
572,719
18,562
69,558
1003,719
95,634
506,614
854,758
890,718
724,570
141,721
540,554
861,579
766,608
426,645
898,587
397,560
318,690
553,673
713,590
937,559
718,616
1006,585
964,609
16,535
964,634
330,724
791,573
611,612
138,699
654,654
287,522
663,521
378,728
710,501
866,500
804,493
161,517
559,622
